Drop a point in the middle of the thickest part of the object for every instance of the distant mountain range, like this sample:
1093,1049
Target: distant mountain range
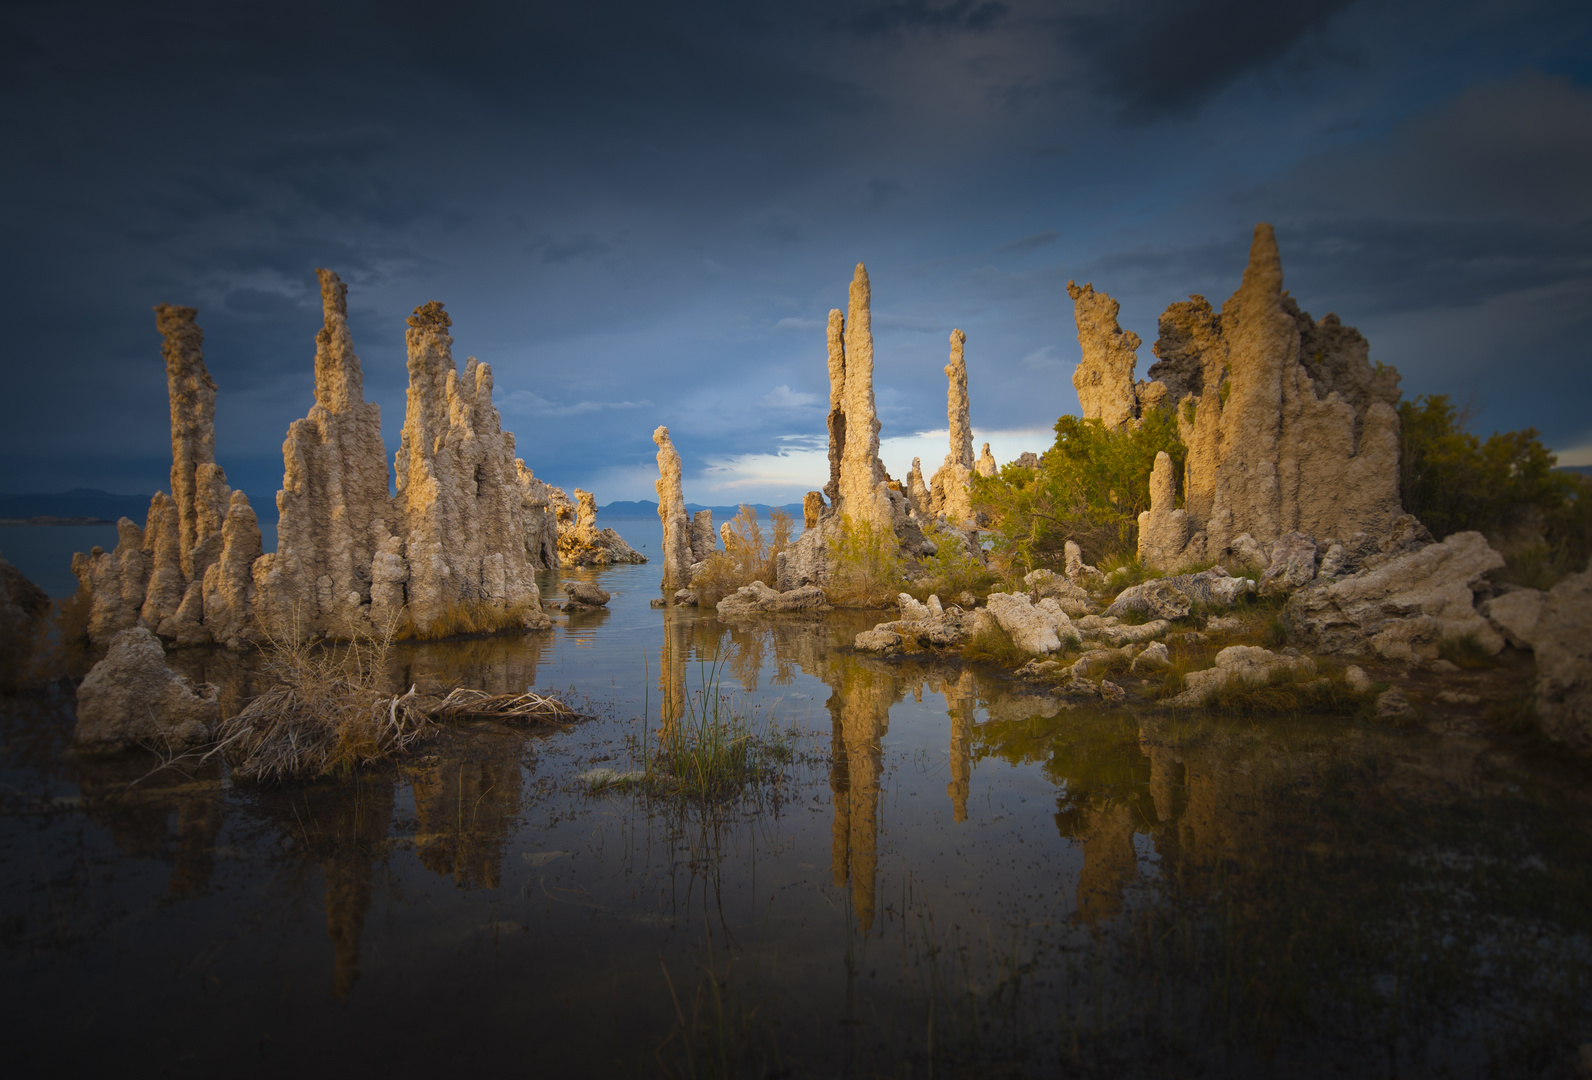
643,508
90,503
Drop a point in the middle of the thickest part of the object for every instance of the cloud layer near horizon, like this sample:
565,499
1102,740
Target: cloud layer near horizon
641,214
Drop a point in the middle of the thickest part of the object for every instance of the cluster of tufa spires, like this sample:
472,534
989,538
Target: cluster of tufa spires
469,523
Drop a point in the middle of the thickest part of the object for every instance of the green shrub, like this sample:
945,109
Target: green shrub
1090,487
1454,481
952,569
865,564
992,645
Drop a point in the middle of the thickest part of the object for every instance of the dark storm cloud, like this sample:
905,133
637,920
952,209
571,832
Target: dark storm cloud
642,214
920,15
1168,57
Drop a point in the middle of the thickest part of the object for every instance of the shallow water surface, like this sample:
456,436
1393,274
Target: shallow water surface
952,872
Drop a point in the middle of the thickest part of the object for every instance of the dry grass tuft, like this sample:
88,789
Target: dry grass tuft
323,715
478,704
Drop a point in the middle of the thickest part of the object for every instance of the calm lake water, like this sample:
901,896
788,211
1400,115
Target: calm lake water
955,875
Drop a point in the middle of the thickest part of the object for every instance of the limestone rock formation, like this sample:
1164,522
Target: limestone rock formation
333,508
538,501
1301,435
229,589
812,507
458,494
132,698
836,335
1563,640
115,582
1401,609
1289,426
863,492
677,527
985,465
918,496
702,535
1104,377
198,486
1163,528
470,523
950,489
584,544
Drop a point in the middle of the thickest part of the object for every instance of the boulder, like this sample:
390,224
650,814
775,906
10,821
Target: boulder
1402,609
1159,599
1293,564
881,641
1214,586
1035,629
1043,584
1392,704
585,593
1243,663
1515,615
1153,658
1357,679
132,698
759,598
1563,643
1129,634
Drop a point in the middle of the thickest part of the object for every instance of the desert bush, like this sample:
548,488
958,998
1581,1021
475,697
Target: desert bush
865,564
750,554
952,569
1090,487
321,715
1507,486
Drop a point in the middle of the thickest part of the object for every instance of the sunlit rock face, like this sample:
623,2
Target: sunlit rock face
350,560
333,509
1104,377
1289,427
458,494
864,493
949,490
582,543
677,526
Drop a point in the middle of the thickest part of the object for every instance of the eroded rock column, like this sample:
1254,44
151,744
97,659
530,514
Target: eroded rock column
671,509
863,494
950,490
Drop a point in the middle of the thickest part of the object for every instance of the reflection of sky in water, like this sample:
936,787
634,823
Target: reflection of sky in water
939,832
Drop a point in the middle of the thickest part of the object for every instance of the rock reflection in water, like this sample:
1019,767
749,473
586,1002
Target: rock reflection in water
173,814
505,664
859,707
343,827
467,801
